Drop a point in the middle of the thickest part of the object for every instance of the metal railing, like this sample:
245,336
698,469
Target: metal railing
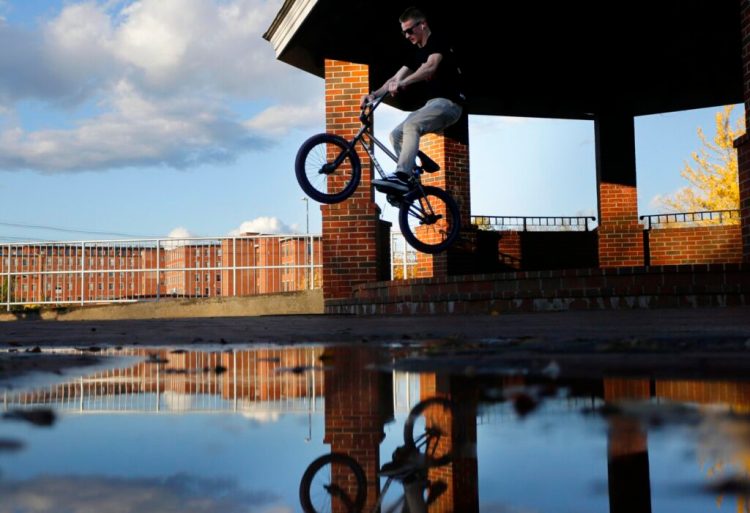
534,223
165,381
111,271
703,218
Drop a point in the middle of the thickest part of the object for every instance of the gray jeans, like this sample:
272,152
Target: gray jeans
436,115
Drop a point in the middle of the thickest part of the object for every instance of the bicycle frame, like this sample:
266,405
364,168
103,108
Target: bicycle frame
366,138
418,205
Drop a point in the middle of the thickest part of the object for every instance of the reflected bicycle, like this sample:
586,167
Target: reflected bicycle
328,169
337,482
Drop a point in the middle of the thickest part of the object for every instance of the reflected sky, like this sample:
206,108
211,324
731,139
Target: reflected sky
234,430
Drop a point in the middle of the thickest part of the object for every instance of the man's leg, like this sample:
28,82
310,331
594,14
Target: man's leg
436,115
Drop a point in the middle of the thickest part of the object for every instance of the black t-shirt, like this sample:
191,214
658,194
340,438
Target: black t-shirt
447,81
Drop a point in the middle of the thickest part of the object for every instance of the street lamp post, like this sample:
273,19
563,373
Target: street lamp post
307,216
311,279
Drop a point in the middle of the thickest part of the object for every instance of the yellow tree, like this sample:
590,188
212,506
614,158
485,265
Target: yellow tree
713,171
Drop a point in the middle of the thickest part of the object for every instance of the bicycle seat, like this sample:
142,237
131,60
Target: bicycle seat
428,165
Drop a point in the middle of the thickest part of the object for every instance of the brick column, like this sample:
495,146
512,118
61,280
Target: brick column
627,450
460,475
451,151
350,228
620,234
743,143
354,417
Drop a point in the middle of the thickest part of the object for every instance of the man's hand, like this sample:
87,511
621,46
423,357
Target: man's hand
366,99
394,86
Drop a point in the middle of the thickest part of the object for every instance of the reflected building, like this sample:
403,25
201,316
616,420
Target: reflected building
357,399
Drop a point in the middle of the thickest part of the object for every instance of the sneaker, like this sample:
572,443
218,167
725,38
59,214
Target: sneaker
394,183
398,469
404,464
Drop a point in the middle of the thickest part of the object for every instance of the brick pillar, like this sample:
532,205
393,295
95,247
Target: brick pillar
620,234
627,450
743,143
451,151
460,475
354,416
350,228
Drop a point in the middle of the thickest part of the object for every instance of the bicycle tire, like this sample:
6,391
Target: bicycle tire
328,492
322,183
434,454
423,231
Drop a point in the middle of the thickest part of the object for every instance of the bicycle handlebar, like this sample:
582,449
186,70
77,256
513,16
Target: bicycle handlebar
364,113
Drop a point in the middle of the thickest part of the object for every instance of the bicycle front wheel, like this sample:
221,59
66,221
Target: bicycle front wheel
431,222
326,169
333,482
429,430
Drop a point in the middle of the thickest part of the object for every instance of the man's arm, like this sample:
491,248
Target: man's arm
425,72
400,75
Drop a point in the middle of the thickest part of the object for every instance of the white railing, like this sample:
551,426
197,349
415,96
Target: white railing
265,380
111,271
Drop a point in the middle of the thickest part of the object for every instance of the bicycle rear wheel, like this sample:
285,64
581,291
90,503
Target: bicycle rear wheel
326,169
333,482
431,222
428,429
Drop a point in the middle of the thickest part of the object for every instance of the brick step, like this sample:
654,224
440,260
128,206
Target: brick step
574,289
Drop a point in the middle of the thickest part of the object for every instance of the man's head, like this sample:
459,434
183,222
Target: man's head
414,26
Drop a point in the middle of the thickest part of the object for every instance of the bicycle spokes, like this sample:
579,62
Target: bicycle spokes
423,212
327,168
429,219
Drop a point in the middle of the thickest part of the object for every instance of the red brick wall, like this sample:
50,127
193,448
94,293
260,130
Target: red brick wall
620,234
452,155
656,286
743,157
743,144
509,249
350,228
459,435
353,417
706,392
695,245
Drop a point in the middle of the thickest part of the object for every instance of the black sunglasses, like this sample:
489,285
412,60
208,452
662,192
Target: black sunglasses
410,30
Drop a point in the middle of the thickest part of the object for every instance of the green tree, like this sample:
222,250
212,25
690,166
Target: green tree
712,174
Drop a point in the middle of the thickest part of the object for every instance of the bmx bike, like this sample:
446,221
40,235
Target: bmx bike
328,169
337,482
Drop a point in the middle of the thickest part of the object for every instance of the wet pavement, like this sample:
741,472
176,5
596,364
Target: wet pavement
236,428
702,336
620,411
708,324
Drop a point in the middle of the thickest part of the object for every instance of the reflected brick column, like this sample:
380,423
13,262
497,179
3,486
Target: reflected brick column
451,151
460,476
350,228
620,234
354,415
627,452
743,143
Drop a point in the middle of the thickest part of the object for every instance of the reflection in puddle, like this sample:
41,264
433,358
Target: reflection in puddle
235,430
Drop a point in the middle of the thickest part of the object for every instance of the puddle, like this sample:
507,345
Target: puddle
234,430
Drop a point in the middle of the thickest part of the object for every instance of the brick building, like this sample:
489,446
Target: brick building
66,272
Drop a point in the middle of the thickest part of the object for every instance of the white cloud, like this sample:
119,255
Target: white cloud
279,119
133,131
179,233
265,225
163,82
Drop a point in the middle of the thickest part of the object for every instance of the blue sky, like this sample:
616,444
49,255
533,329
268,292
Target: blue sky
154,117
